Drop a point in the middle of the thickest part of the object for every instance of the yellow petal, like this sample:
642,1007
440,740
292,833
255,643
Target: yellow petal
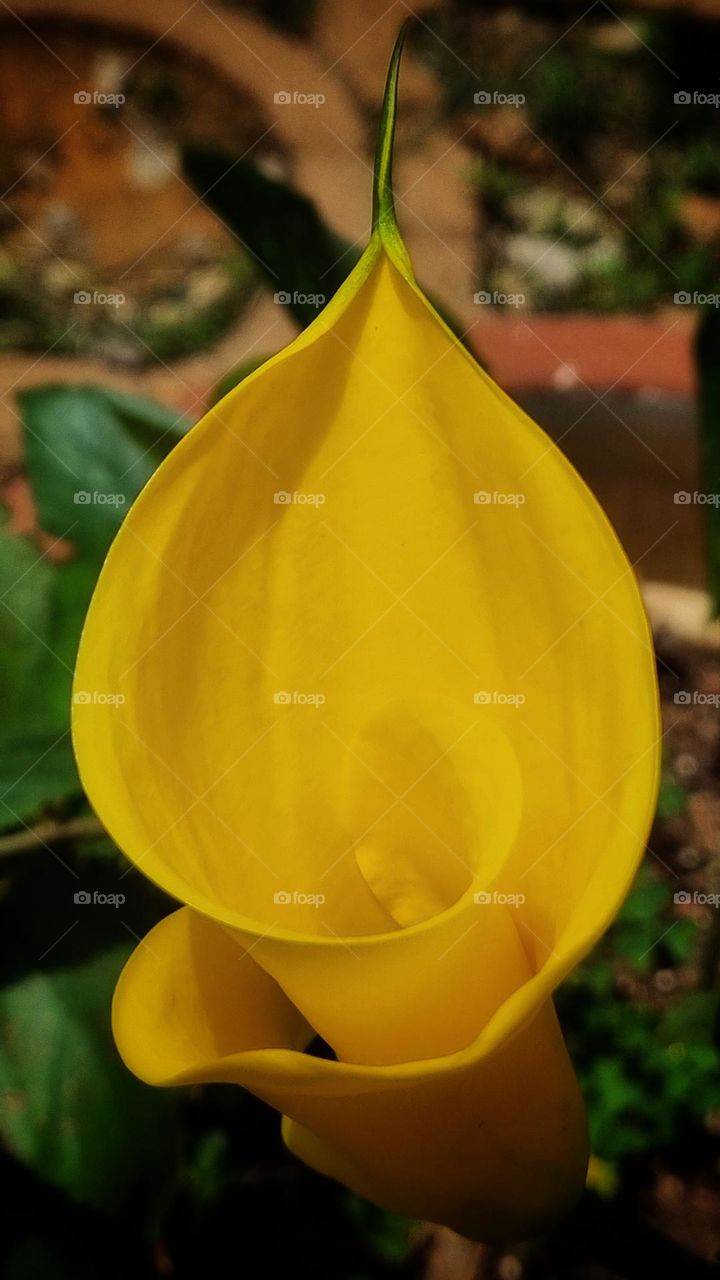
368,682
490,1143
396,601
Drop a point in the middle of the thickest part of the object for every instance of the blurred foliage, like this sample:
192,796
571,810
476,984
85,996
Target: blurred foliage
43,607
176,320
649,1065
89,452
68,1107
672,800
599,133
110,444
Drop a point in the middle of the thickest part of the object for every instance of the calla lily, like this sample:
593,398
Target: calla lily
388,729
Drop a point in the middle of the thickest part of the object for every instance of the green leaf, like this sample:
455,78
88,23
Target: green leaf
302,260
299,256
89,453
637,935
69,1108
672,800
42,607
691,1019
681,941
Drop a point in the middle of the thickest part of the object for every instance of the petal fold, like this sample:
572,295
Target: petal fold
491,1143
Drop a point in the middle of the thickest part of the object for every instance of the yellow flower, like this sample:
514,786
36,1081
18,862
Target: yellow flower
384,718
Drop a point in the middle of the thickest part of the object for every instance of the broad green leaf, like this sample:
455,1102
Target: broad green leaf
68,1108
42,607
301,258
89,453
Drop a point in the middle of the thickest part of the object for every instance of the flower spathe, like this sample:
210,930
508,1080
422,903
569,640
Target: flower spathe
395,750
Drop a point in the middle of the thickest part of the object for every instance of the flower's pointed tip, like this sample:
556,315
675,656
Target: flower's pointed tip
384,222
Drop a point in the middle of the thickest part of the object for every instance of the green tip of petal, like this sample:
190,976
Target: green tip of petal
384,222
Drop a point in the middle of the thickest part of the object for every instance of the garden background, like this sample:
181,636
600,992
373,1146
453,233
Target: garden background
183,185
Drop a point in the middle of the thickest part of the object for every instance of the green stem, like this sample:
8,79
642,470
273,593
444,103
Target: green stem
383,216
